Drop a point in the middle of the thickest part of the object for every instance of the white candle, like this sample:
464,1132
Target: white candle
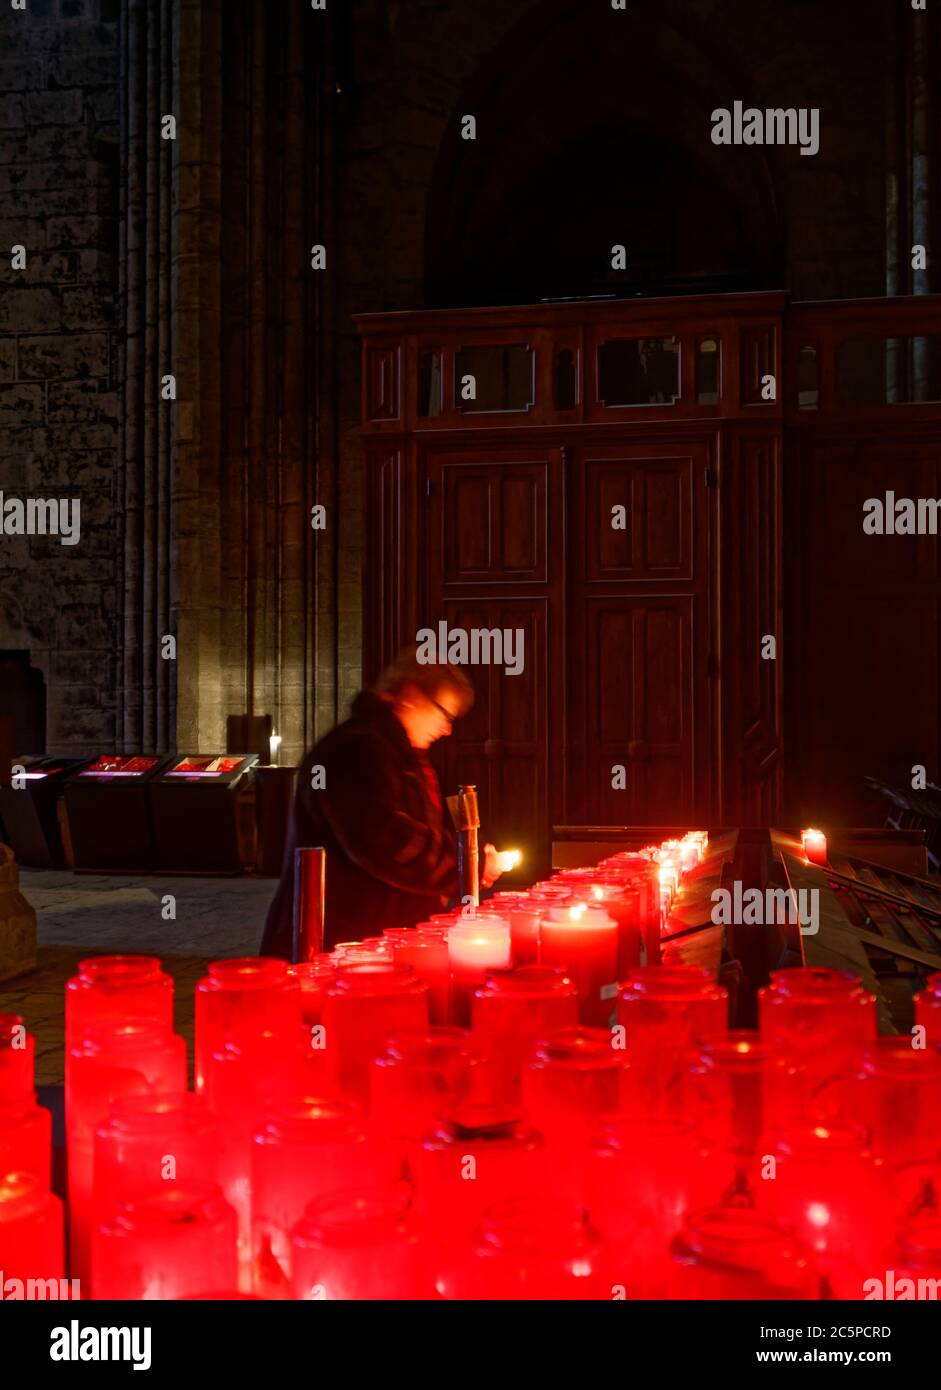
274,744
474,947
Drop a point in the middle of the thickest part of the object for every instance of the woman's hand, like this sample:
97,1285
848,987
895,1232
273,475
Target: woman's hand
491,870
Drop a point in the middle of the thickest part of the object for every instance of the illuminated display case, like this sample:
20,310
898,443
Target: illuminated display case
203,812
109,812
29,810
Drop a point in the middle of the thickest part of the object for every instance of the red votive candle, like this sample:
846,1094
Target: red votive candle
730,1091
928,1009
814,845
480,1155
512,1010
149,1143
313,977
828,1188
644,1175
105,1068
243,999
427,953
417,1079
25,1126
301,1152
361,1244
476,945
525,1249
665,1013
823,1020
572,1081
166,1246
110,991
583,941
523,916
31,1235
364,1006
899,1099
733,1253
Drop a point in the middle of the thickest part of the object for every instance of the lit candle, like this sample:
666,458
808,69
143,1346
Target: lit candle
474,947
508,859
814,844
583,940
274,748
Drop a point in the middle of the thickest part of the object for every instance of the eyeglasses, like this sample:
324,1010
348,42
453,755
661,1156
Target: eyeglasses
451,718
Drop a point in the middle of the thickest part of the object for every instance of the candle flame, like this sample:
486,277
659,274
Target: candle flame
508,859
576,912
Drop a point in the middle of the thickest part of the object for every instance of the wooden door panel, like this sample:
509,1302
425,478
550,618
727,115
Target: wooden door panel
656,542
492,520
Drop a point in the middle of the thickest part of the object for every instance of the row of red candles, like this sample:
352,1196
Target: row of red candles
337,1146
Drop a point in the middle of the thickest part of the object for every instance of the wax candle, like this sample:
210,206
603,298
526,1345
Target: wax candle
528,1248
417,1079
583,941
729,1095
733,1253
664,1013
364,1006
513,1009
898,1097
475,946
150,1142
427,954
928,1009
303,1151
573,1079
829,1189
622,902
479,1155
25,1126
31,1235
166,1245
106,1067
644,1176
361,1244
824,1019
109,991
814,845
243,999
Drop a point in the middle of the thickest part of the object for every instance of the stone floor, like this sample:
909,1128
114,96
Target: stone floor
95,914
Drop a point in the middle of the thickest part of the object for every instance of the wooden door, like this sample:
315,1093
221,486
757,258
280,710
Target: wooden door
494,563
639,731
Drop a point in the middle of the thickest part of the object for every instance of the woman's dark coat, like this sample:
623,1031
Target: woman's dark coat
391,858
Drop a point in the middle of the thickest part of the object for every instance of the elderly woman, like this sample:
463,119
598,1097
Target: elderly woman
369,796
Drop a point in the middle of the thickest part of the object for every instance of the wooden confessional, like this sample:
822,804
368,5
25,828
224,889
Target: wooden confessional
627,482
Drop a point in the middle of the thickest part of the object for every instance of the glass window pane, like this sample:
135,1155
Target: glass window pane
494,378
639,371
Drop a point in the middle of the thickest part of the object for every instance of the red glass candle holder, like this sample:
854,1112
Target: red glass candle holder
824,1020
166,1246
583,941
666,1012
31,1234
417,1079
525,1249
919,1261
480,1155
25,1126
300,1153
828,1188
814,845
513,1009
313,977
735,1253
242,1000
106,1068
363,1007
645,1174
899,1099
730,1089
148,1143
476,945
359,1244
928,1009
111,991
427,954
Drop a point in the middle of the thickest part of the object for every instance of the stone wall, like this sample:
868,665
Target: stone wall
58,404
